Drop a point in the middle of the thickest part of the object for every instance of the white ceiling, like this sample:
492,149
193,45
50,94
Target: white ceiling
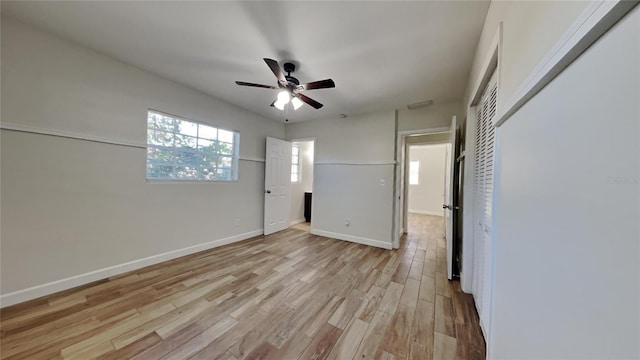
381,55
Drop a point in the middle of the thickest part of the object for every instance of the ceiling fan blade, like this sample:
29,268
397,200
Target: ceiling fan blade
310,101
275,67
242,83
322,84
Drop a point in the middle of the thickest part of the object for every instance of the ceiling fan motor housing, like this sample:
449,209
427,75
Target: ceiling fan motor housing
289,68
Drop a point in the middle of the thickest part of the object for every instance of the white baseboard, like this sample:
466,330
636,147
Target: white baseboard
295,222
71,282
426,212
351,238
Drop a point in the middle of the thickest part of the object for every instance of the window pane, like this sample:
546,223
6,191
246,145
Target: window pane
206,145
224,174
187,158
225,161
187,172
295,162
208,159
159,155
208,173
164,123
226,136
207,132
225,148
155,137
187,128
186,142
160,171
151,120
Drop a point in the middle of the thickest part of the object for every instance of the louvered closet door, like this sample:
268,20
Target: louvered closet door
483,195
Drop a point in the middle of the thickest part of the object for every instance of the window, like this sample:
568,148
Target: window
295,164
178,149
414,172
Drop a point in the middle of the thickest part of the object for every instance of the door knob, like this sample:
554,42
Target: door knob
268,191
445,206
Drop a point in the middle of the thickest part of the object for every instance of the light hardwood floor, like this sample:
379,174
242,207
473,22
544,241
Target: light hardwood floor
290,295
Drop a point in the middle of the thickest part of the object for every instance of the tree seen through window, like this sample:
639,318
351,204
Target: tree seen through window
184,150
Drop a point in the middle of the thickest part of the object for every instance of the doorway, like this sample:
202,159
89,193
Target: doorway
420,143
427,178
302,157
449,138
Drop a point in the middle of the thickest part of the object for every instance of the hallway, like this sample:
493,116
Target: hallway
441,303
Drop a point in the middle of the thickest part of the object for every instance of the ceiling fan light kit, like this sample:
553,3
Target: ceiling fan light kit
283,99
296,103
290,87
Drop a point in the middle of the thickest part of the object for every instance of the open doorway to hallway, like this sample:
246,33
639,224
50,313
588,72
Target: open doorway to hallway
302,184
427,184
427,179
423,175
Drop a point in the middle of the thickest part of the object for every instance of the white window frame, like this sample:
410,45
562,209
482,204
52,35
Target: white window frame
233,155
299,172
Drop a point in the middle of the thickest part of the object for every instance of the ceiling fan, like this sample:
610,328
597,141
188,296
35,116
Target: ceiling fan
291,87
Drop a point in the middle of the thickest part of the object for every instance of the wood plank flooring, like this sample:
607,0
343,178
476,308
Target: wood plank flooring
290,295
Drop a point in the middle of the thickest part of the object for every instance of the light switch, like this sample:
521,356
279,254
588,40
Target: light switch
382,182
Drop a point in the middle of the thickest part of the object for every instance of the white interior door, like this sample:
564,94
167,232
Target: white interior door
449,206
277,185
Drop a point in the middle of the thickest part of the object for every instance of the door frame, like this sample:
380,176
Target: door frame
400,176
313,165
491,63
450,183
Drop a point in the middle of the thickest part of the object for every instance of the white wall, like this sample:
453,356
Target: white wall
352,157
428,138
530,30
432,116
528,27
306,181
356,139
566,271
70,206
427,196
566,232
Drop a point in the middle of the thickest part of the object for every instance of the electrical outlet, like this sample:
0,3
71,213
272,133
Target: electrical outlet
382,182
237,222
347,223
